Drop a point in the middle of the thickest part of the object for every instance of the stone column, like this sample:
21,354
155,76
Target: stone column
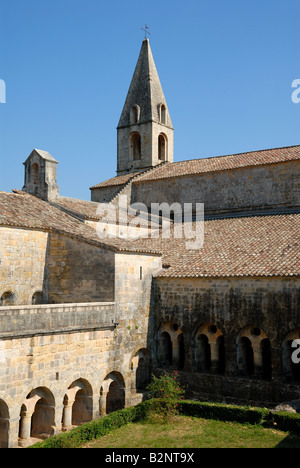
103,403
214,353
25,429
67,416
133,379
175,353
258,361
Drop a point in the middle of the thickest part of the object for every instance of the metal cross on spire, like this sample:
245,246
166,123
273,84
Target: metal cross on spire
146,31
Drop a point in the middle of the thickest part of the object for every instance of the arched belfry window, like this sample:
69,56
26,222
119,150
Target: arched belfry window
35,178
163,116
135,146
162,147
135,114
162,111
35,173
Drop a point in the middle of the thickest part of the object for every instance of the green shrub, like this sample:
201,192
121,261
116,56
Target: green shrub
167,392
78,436
223,412
285,421
95,429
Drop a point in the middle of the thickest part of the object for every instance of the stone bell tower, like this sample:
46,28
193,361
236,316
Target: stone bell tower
145,132
40,175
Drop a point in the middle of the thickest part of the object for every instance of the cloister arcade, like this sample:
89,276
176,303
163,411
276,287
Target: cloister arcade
253,351
48,410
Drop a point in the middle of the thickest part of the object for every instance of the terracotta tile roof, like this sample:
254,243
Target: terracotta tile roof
87,210
221,163
84,209
255,246
248,246
114,181
19,209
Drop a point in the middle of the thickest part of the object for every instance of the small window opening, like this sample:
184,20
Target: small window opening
7,299
162,148
35,173
37,298
134,115
136,146
163,114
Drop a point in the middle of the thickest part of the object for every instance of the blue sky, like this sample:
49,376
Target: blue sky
226,68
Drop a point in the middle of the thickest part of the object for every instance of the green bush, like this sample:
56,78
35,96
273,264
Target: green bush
289,422
165,386
284,421
223,412
167,392
95,429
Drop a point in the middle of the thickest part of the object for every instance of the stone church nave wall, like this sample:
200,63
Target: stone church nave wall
262,187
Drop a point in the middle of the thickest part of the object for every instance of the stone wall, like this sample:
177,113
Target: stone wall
46,319
52,362
23,255
269,304
64,364
133,300
105,194
79,272
258,187
61,268
61,360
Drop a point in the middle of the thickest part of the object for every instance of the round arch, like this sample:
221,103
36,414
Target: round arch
77,404
135,143
171,348
141,370
37,415
208,349
254,353
162,147
112,393
8,298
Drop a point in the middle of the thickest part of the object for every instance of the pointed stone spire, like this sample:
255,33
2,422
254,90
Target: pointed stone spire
145,132
145,90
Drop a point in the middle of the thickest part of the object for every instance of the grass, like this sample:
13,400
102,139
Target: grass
191,432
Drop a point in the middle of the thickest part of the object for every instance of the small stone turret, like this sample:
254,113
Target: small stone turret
145,132
40,175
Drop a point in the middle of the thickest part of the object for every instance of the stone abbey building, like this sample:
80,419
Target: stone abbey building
85,319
